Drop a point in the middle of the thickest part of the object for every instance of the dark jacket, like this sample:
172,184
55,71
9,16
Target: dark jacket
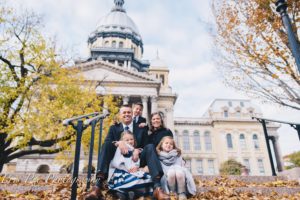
140,134
140,120
156,136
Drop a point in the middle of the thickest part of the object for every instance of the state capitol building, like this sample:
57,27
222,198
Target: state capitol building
226,130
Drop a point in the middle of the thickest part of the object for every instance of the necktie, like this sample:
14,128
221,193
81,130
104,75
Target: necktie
126,128
135,119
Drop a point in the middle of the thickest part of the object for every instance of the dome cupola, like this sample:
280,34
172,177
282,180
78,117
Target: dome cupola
117,40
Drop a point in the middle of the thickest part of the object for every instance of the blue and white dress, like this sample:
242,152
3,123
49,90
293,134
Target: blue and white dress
119,179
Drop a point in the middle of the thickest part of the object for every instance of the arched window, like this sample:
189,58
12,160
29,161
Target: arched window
114,44
243,142
106,43
229,141
211,167
238,113
261,167
207,141
197,143
186,140
255,142
199,165
247,164
225,113
162,78
121,44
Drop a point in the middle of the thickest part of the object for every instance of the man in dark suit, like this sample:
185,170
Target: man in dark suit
147,154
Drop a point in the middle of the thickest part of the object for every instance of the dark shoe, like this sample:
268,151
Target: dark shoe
100,176
95,194
100,179
159,194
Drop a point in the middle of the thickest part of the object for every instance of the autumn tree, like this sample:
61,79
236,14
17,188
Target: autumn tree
253,50
37,91
294,158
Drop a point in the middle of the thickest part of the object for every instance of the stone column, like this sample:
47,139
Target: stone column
128,64
169,120
153,104
145,107
125,99
277,153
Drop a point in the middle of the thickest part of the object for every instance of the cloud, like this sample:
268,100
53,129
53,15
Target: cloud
178,30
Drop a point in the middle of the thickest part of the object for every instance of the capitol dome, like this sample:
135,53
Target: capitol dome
117,40
118,21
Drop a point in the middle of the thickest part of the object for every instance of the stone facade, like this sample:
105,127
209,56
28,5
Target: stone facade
225,131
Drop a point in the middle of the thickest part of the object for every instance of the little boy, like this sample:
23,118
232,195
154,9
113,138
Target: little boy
137,115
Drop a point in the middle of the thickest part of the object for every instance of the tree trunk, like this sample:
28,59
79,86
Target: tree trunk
1,166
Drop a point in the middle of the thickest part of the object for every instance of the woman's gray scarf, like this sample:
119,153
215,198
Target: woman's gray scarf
168,158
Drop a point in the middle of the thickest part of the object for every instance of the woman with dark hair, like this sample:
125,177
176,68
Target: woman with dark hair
158,129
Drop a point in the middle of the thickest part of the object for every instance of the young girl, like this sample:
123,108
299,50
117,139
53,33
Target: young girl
177,179
125,175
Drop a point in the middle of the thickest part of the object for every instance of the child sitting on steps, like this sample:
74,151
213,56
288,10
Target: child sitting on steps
177,179
125,175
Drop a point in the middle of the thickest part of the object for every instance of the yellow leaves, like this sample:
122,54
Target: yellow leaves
275,76
250,38
230,188
59,187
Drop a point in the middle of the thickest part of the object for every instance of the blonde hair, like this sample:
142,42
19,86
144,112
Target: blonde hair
129,133
159,146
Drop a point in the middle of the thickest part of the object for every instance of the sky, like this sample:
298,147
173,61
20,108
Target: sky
178,30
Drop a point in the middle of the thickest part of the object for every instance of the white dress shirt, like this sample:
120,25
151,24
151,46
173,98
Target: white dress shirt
130,126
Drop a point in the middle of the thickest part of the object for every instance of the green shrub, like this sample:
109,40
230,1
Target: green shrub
231,167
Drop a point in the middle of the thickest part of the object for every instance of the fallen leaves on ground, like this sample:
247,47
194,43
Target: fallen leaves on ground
217,188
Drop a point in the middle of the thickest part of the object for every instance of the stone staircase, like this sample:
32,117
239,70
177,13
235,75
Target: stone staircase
246,187
209,187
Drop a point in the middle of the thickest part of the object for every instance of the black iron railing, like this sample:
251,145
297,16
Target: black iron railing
267,137
77,123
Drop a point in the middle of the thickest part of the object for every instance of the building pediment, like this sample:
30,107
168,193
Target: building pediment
107,72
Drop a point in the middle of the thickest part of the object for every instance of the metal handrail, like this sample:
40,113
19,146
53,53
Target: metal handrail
275,120
96,118
267,137
80,127
66,122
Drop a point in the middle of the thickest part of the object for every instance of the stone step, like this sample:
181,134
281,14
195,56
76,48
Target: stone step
235,185
254,190
247,184
247,179
31,176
